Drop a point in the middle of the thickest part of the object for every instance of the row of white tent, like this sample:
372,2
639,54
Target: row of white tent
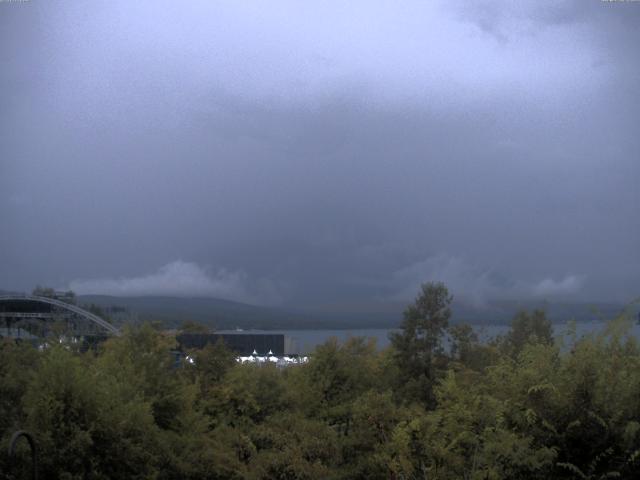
270,357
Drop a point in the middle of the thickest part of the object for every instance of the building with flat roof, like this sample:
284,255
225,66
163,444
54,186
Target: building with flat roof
277,344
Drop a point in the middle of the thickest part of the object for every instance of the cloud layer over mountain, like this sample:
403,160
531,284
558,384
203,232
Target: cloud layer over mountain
313,152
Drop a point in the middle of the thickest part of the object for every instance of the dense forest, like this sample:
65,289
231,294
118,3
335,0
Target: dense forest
524,406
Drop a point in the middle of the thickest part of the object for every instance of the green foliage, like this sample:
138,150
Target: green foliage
18,363
467,351
290,446
84,423
69,296
211,364
527,328
189,326
417,347
522,407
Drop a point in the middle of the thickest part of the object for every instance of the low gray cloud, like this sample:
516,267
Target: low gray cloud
183,279
478,286
322,152
507,21
465,281
568,285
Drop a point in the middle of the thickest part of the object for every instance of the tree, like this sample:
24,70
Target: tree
528,328
416,347
189,326
290,446
467,350
68,297
463,338
211,364
41,291
17,365
87,423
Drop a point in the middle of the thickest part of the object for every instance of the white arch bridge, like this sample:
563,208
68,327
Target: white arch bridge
9,302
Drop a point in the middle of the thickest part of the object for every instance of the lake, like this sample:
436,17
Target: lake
307,340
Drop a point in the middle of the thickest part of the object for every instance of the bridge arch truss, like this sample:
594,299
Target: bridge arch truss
53,304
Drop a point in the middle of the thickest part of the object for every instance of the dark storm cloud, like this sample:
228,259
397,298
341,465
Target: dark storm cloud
321,153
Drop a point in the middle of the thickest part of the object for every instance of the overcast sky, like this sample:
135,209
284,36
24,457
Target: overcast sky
318,152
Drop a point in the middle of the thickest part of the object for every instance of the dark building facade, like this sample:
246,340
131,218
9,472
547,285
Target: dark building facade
240,343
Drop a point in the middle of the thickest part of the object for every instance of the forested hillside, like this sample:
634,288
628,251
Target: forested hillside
520,407
224,314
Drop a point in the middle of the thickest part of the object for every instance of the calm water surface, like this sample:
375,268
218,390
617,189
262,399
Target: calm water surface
307,340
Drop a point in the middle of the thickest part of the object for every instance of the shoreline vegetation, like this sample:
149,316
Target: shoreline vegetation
521,406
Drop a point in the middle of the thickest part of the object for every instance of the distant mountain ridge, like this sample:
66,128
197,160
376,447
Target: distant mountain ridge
226,314
213,312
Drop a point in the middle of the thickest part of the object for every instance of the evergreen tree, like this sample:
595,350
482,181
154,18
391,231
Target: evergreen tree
418,345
